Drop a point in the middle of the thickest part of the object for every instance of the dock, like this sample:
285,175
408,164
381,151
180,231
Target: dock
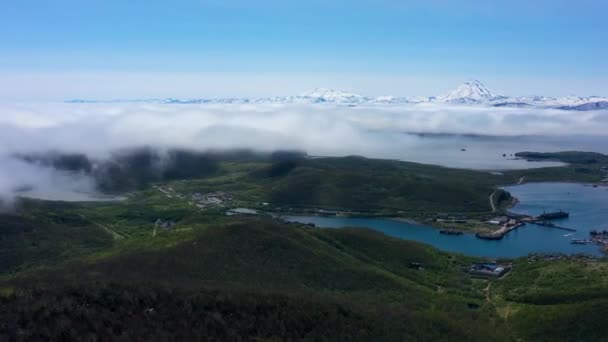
516,220
600,238
551,225
500,233
543,219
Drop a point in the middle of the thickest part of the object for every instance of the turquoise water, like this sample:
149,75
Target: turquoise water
588,208
587,205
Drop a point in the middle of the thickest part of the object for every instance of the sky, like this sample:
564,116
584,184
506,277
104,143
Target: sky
61,49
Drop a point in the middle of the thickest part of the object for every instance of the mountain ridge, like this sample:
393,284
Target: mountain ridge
472,92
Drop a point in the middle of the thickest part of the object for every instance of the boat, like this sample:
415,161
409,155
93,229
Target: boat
580,241
489,236
450,232
554,215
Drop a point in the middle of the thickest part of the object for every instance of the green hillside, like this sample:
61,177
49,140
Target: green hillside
107,271
264,280
333,280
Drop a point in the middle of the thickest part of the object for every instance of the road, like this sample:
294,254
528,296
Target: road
520,181
488,292
116,235
492,201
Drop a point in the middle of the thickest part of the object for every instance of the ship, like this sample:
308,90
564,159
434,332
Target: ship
450,232
554,215
490,236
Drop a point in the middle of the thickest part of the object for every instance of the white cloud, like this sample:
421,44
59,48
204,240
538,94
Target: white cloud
373,131
318,128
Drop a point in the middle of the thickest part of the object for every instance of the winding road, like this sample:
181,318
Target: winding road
116,235
519,182
492,201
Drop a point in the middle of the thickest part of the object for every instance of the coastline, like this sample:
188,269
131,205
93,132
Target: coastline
477,226
600,183
514,202
404,220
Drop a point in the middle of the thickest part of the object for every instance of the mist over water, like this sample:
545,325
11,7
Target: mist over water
454,136
495,152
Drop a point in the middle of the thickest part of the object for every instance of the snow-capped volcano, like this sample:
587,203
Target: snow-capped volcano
469,92
331,95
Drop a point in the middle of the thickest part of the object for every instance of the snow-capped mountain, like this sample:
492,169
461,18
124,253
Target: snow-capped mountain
564,103
331,95
475,93
588,106
469,93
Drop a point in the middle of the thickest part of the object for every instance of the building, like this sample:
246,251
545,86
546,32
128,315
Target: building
489,269
498,220
241,211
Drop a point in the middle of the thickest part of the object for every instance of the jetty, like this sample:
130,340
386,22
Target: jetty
552,225
543,219
600,238
513,221
501,232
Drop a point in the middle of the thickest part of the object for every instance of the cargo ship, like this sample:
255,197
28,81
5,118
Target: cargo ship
450,232
554,215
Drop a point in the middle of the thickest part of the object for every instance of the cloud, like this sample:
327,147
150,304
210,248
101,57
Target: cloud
20,178
373,131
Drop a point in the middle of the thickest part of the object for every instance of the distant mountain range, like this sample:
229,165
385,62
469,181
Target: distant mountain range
469,93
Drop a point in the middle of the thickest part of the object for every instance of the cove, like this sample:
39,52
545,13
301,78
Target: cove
587,206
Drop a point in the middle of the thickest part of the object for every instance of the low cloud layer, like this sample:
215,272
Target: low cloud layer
319,129
98,129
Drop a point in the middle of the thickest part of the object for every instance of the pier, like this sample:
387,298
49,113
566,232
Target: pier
517,220
600,238
543,219
500,233
551,225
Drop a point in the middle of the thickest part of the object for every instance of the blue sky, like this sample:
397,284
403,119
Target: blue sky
122,48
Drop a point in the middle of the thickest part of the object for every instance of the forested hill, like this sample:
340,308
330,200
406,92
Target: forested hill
254,279
109,271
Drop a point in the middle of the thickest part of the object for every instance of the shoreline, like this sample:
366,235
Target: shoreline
600,183
404,220
514,202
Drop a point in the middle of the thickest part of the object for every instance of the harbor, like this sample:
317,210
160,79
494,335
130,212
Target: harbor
512,221
524,230
575,208
599,238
